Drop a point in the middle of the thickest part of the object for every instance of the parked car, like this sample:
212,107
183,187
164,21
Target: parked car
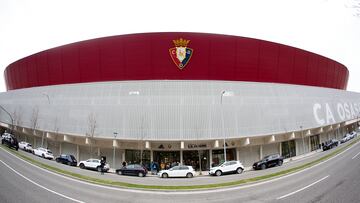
345,138
44,153
5,135
67,159
352,134
10,141
226,168
269,161
132,169
177,171
26,146
330,144
93,164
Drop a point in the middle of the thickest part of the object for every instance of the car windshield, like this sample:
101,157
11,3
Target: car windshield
48,151
267,157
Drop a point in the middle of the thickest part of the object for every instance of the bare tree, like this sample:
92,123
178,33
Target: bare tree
34,120
56,125
92,125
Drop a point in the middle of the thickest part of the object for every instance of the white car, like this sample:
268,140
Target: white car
93,164
25,146
4,135
227,167
177,171
44,153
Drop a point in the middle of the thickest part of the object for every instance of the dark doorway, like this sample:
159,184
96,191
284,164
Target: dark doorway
167,159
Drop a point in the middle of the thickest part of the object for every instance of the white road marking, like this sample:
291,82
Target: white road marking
181,192
37,184
355,155
301,189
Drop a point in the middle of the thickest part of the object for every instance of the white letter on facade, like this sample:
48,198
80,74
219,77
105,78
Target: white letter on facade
329,115
347,111
341,111
316,107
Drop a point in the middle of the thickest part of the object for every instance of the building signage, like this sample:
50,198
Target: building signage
181,54
328,114
191,146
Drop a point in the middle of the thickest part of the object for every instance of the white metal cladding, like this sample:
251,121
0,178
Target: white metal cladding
178,110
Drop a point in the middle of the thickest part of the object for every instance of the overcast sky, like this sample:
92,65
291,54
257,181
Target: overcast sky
330,28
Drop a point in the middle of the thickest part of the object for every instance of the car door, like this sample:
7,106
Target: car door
130,170
226,167
183,171
89,163
175,171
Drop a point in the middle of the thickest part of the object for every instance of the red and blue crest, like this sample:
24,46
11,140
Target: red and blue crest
181,54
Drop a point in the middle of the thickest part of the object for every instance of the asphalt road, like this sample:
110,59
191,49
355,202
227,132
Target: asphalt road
336,180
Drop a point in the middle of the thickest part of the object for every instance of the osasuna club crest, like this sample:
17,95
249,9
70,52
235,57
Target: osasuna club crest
181,54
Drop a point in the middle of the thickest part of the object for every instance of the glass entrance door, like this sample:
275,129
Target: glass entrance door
167,159
191,158
314,142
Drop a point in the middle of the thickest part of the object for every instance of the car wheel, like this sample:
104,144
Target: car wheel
119,172
82,166
69,163
164,175
141,174
57,160
98,168
239,170
189,175
43,156
218,173
280,163
263,166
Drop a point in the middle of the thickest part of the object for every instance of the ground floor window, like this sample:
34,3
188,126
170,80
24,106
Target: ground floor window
191,158
314,142
138,157
166,159
288,149
218,156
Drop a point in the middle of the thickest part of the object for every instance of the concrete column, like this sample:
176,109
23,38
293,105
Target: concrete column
238,154
34,142
309,144
210,157
60,147
151,156
98,152
181,157
280,149
261,151
123,156
77,152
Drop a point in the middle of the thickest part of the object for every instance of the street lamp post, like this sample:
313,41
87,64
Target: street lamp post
115,134
12,120
43,133
224,93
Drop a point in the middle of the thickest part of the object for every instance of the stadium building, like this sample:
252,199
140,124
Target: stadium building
178,97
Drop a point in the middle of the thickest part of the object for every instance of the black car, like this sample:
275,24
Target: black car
67,159
330,144
132,169
10,141
269,161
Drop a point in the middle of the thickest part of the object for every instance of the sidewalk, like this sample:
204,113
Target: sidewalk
197,180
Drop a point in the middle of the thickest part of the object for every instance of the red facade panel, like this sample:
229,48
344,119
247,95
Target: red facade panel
55,66
70,63
147,57
268,62
42,69
247,59
300,67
